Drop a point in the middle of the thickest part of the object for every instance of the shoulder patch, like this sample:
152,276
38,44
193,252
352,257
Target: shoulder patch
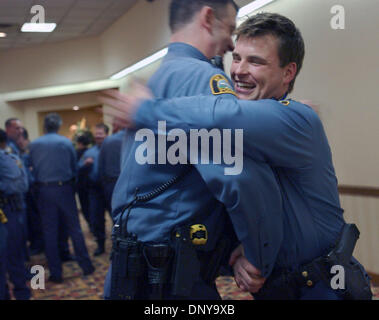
220,85
285,102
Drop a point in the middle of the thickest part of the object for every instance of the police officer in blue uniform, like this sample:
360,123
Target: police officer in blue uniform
83,141
3,246
14,129
53,160
13,183
178,198
89,166
110,163
33,218
290,137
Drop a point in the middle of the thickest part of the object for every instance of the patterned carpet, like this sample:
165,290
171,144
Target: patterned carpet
79,287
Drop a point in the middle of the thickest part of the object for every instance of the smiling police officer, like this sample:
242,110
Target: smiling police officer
166,213
290,137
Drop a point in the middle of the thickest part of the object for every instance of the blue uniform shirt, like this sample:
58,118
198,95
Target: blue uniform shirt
292,140
13,177
185,71
13,147
91,170
110,155
53,158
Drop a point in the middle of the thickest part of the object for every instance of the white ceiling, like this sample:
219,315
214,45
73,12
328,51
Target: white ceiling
74,18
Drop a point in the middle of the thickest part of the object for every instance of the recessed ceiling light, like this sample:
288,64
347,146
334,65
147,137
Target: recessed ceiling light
3,34
38,27
76,108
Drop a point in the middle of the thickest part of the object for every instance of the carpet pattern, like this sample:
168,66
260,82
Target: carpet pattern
79,287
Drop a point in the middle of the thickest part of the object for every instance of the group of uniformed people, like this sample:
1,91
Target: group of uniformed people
38,209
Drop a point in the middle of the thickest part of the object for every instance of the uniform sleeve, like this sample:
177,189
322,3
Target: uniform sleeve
13,175
101,160
84,170
273,133
74,163
253,199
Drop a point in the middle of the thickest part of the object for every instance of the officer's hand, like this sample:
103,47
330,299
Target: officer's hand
124,106
88,161
237,252
247,277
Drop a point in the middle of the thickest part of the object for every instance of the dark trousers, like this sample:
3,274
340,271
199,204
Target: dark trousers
55,203
15,253
3,270
108,188
97,212
84,201
35,236
200,291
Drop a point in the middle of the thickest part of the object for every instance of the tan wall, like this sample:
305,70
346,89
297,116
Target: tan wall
8,110
51,64
141,32
364,212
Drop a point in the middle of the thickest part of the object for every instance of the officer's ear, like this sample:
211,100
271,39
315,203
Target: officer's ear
207,18
289,72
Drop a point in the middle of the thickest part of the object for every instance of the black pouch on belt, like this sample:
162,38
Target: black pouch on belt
186,266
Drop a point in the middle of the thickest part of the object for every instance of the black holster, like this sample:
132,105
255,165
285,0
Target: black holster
186,265
285,285
357,281
127,267
158,261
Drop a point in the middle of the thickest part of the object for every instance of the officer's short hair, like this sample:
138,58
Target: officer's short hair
85,139
9,121
52,122
291,44
25,134
3,136
182,11
102,126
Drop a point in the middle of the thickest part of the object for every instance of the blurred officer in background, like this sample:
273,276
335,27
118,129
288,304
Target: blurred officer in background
89,166
33,225
14,129
82,143
53,160
109,163
13,183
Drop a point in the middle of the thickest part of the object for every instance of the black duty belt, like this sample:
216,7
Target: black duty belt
14,201
55,183
284,284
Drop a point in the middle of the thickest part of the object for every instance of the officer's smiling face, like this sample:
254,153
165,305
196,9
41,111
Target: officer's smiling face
99,135
256,70
15,130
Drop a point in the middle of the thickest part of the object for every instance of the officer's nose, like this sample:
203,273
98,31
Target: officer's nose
241,69
230,46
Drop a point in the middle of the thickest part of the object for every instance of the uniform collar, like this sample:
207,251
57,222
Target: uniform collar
181,49
282,98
